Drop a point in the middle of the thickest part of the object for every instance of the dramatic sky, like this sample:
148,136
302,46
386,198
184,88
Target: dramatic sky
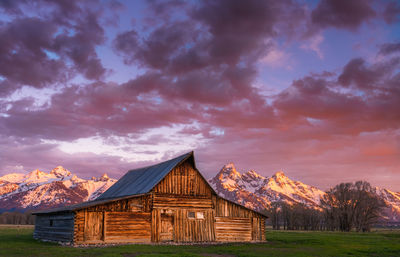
309,87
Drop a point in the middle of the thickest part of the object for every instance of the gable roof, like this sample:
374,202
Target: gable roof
142,180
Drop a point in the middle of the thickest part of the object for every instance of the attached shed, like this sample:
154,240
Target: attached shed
169,201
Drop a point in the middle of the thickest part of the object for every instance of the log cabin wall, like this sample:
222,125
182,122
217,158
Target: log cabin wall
54,227
236,223
124,227
122,221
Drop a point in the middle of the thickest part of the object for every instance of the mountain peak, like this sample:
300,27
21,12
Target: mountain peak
103,177
36,174
230,165
230,171
60,171
253,175
279,174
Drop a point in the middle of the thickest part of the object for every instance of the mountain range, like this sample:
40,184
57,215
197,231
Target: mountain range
40,190
257,192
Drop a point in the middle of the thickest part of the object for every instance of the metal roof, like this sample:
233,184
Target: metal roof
142,180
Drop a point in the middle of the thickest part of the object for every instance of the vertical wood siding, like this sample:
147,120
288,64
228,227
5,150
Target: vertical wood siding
155,225
94,224
183,180
184,229
224,208
194,229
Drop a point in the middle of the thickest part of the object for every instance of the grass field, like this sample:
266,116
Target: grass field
19,242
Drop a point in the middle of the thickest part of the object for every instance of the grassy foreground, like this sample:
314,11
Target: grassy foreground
19,242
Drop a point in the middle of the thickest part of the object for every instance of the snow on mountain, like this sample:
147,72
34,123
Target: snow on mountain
258,192
12,177
41,190
282,188
59,187
392,200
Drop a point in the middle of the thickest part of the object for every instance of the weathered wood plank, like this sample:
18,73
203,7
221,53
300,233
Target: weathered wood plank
173,201
233,229
127,226
54,227
183,180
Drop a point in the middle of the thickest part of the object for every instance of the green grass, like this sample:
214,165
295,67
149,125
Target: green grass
19,242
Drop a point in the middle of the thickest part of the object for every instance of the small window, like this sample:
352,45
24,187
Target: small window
200,215
191,215
51,223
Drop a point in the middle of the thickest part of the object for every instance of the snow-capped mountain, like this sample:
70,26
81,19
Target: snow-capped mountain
41,190
392,200
255,191
258,192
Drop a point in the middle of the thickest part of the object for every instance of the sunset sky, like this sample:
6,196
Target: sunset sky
308,87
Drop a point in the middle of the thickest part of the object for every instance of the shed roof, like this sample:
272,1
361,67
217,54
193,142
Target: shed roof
79,206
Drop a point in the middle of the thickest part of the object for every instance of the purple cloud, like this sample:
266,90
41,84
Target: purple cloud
342,13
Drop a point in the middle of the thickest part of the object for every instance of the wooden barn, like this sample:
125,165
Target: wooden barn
169,201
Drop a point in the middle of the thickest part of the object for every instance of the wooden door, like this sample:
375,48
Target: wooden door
167,227
93,226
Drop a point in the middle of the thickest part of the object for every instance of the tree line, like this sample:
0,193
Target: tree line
346,207
17,218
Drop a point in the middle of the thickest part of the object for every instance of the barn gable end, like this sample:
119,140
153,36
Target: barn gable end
170,201
184,179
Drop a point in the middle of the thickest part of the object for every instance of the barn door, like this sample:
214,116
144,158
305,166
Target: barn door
93,226
167,227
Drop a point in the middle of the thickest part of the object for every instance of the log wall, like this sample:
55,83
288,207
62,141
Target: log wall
127,227
228,229
173,201
79,227
54,227
236,223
